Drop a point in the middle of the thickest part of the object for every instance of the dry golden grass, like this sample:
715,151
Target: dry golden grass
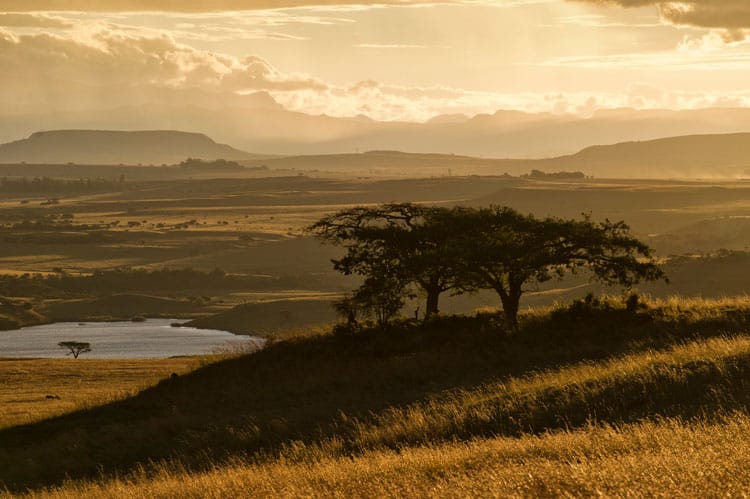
351,416
669,458
550,395
79,383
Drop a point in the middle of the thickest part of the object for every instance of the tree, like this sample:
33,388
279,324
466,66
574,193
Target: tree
382,298
504,250
75,348
462,249
392,244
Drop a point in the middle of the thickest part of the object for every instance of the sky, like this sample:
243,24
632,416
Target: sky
391,60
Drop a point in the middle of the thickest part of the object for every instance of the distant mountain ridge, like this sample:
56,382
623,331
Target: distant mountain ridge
691,156
727,150
116,147
256,122
712,155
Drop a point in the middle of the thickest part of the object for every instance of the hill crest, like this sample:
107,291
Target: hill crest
116,147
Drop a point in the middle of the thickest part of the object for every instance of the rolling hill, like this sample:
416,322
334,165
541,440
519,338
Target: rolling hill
116,147
691,156
718,155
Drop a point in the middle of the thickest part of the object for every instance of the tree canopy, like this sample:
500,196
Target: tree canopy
434,249
504,250
395,245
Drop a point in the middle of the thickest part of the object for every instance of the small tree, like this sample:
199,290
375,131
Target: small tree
348,309
382,298
75,348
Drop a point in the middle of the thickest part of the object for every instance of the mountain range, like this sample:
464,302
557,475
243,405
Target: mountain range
256,122
693,156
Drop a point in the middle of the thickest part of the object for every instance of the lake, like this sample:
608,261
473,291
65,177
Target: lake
154,338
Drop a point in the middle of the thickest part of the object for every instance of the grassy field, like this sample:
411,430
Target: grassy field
587,399
35,389
253,228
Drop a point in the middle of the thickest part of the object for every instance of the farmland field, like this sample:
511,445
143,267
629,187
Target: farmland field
254,228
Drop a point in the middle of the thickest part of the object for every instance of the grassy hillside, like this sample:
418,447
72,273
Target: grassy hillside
686,156
458,403
665,459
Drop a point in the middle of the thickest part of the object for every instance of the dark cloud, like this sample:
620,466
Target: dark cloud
731,15
179,5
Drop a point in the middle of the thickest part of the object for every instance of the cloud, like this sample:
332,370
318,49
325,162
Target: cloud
691,55
399,103
730,15
21,20
184,5
100,55
385,102
389,46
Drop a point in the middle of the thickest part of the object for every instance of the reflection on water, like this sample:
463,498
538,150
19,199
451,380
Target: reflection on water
153,338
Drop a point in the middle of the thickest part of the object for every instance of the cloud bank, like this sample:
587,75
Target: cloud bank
21,20
99,66
99,54
182,5
731,15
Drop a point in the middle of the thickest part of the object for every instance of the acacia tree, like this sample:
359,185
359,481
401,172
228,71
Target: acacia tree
464,249
393,246
75,348
504,250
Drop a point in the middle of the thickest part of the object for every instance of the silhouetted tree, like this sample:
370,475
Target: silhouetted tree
395,244
504,250
381,297
75,348
463,249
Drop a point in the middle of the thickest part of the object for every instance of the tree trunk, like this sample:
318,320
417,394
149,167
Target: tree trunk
433,290
511,300
431,309
511,304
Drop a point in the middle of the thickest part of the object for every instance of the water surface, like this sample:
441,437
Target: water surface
155,338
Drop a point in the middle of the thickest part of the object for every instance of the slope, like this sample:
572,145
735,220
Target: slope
331,396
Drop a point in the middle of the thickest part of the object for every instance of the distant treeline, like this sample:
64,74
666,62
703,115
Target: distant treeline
554,175
127,280
217,165
47,185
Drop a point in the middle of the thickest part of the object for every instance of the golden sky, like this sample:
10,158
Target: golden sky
393,60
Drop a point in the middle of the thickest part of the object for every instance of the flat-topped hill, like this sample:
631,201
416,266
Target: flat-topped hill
116,147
